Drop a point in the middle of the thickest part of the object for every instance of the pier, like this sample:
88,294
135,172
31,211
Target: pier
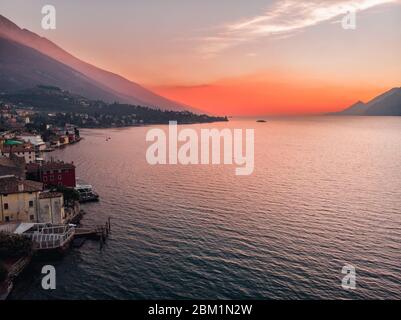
100,233
49,239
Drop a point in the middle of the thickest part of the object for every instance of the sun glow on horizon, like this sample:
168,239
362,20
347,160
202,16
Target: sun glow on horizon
264,57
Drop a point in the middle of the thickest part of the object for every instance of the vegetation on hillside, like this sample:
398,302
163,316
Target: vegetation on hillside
58,107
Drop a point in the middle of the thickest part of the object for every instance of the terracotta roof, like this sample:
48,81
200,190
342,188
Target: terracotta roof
12,166
51,165
12,184
16,148
48,195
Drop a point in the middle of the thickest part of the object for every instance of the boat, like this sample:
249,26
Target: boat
261,121
86,193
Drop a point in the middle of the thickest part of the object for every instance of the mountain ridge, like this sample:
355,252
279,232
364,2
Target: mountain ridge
385,104
128,91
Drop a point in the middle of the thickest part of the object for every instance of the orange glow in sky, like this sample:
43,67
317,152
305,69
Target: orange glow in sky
235,57
245,96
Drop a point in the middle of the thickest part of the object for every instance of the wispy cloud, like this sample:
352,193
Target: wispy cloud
284,18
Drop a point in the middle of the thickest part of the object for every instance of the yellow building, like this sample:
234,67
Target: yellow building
19,199
51,208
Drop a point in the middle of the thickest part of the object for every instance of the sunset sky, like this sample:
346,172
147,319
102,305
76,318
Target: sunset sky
234,57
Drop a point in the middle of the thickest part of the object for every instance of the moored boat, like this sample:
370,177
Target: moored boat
86,193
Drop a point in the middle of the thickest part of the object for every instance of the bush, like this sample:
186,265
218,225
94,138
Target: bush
14,245
70,195
3,272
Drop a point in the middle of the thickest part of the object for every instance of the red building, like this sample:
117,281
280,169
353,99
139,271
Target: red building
52,173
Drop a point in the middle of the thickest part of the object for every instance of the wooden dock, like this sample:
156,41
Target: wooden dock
100,232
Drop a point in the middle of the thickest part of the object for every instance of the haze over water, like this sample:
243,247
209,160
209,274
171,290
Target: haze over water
326,191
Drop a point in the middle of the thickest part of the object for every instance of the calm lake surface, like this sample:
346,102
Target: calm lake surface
326,192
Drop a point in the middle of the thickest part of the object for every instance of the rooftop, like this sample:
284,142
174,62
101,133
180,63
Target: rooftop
16,148
11,184
50,165
48,195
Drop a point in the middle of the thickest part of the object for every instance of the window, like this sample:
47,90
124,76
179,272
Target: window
32,217
51,178
59,176
31,204
7,219
6,206
44,178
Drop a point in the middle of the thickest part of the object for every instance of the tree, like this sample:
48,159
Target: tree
70,195
14,245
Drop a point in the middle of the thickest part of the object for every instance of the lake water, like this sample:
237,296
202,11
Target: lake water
326,192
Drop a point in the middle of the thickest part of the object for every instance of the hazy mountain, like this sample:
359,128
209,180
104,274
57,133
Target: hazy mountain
356,109
22,67
126,91
386,104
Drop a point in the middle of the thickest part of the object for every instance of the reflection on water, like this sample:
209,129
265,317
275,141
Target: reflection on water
326,191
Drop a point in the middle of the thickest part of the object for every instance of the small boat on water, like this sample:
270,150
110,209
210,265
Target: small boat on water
86,193
261,121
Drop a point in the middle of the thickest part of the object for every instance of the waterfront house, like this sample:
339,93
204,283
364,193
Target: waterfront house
51,208
71,137
25,151
54,142
19,199
64,140
25,201
52,173
36,141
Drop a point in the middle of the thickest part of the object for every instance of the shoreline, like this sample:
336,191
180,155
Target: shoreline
148,124
13,272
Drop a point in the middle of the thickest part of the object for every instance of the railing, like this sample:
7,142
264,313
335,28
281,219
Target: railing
48,239
8,228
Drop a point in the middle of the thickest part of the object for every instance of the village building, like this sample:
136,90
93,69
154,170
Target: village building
52,173
51,208
64,140
37,142
25,201
19,199
25,151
